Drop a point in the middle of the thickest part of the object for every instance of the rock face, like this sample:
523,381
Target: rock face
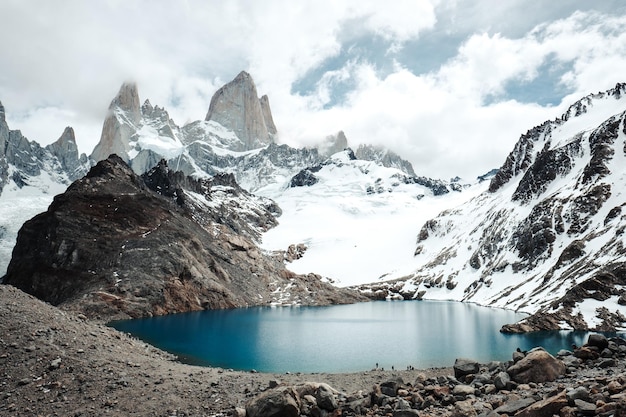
385,157
122,121
237,107
547,237
30,175
117,245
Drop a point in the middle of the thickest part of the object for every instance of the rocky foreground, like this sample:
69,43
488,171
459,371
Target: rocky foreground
58,363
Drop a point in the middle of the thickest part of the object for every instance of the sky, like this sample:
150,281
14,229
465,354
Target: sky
448,85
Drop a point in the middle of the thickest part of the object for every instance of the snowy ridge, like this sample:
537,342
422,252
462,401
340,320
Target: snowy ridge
30,176
550,226
357,221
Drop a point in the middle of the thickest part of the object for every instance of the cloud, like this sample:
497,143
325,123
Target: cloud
441,83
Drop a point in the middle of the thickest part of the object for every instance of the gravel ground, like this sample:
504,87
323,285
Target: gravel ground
58,363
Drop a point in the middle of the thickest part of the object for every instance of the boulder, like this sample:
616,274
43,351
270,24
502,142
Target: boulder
281,402
545,408
502,380
537,366
463,367
598,340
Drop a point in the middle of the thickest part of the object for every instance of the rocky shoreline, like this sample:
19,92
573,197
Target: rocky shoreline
56,362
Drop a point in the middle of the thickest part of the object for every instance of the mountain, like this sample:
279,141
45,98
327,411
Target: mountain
547,235
352,220
30,175
237,136
117,245
239,98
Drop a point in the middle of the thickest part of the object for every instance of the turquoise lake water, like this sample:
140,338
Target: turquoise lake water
343,338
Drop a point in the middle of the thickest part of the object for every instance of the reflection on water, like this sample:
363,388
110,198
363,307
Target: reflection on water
343,338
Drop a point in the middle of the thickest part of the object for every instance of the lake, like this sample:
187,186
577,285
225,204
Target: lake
342,338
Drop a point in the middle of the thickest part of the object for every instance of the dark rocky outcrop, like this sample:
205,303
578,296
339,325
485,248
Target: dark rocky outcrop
118,245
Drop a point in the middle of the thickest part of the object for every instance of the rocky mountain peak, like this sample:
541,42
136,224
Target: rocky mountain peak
127,99
122,121
66,151
267,115
333,144
237,107
2,116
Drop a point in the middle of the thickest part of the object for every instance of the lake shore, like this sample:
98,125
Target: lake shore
58,362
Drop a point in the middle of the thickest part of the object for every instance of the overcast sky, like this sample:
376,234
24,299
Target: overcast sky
449,85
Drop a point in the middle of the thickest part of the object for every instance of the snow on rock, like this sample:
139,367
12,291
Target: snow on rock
357,221
547,237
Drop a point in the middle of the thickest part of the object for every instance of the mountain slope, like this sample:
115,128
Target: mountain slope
116,245
353,221
30,176
547,237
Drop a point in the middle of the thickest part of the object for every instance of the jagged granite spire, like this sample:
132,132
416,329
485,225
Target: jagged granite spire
237,107
66,151
121,122
267,115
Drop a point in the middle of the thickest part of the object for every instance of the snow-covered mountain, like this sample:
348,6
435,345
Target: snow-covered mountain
30,176
548,234
353,220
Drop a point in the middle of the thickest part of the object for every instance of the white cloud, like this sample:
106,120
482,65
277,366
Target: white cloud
65,61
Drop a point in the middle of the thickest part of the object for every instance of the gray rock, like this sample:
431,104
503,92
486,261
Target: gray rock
463,367
545,408
406,413
282,402
325,398
585,408
578,393
513,407
463,390
501,380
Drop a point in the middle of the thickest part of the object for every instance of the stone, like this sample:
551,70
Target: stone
406,413
390,388
463,367
578,393
463,390
55,364
512,407
598,340
537,366
325,398
545,408
281,402
402,404
614,387
585,408
464,409
517,356
607,363
502,380
585,353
